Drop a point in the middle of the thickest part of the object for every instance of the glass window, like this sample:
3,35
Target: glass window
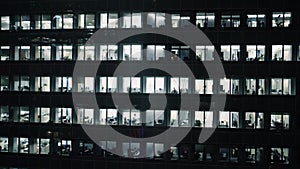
64,147
228,119
24,114
230,52
205,20
132,20
280,155
57,22
179,21
205,53
23,145
42,84
155,52
156,20
4,83
254,120
108,116
5,22
250,87
44,146
230,21
37,21
131,118
280,121
203,119
281,86
86,21
256,20
43,52
86,52
108,52
108,84
4,53
85,84
131,84
46,22
25,22
155,85
15,143
253,155
63,115
68,21
22,52
109,20
179,85
132,52
85,116
4,113
63,84
21,83
281,53
281,19
41,115
255,53
3,144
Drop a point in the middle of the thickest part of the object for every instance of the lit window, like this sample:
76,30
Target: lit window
68,21
280,121
108,84
25,22
42,84
22,52
228,119
256,20
4,113
108,52
46,22
281,86
5,23
254,120
180,21
230,21
229,86
156,20
86,21
255,53
86,52
205,53
154,150
155,85
4,53
230,52
85,84
281,19
154,118
63,84
155,52
254,155
21,83
3,144
64,147
57,21
280,155
131,84
281,52
43,52
24,114
108,148
63,115
132,52
64,52
203,119
108,117
4,83
132,20
109,20
24,145
179,85
131,117
180,118
41,115
204,20
85,116
250,87
204,86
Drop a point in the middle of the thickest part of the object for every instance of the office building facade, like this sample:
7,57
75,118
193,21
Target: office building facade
256,41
